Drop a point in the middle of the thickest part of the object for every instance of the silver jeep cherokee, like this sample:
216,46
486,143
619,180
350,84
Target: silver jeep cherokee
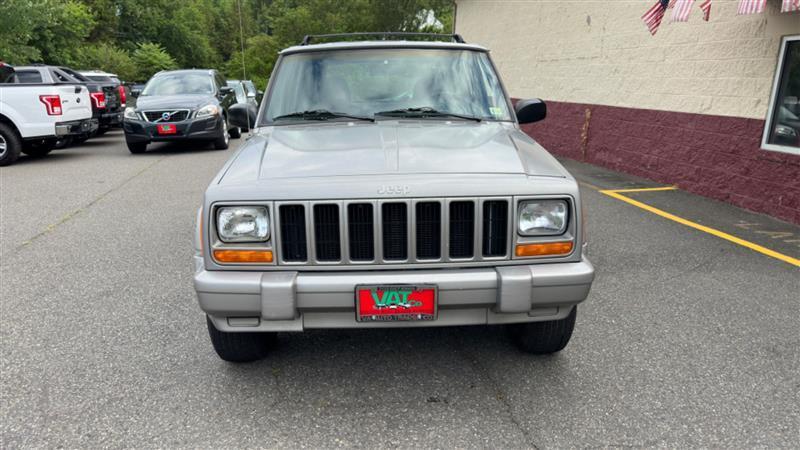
387,183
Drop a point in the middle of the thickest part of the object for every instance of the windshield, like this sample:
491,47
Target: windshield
238,89
179,84
369,81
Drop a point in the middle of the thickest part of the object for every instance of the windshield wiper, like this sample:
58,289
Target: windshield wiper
321,114
425,111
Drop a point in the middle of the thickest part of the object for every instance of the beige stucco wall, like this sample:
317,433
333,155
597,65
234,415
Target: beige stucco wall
599,52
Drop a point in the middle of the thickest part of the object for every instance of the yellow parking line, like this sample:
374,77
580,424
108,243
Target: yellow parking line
662,188
720,234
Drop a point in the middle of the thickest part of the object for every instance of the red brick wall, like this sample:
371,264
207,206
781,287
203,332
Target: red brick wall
715,156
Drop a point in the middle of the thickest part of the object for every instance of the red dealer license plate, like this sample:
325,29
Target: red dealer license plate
167,128
389,303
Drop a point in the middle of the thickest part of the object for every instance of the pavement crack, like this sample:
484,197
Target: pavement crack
72,214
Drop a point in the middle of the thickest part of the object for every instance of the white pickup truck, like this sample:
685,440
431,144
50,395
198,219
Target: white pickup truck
34,116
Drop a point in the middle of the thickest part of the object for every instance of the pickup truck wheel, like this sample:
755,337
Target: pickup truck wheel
236,132
137,147
10,145
544,337
221,143
240,347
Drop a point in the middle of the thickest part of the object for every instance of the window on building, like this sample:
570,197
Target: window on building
782,129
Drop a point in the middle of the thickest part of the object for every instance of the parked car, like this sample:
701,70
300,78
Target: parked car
106,106
252,92
181,105
34,115
111,79
388,183
240,90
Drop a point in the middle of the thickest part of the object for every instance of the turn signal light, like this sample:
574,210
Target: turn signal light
243,256
544,249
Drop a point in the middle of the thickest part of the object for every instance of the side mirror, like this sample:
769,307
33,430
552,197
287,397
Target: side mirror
225,90
135,92
260,93
242,115
531,110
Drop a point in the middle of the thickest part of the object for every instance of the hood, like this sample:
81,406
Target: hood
390,148
174,101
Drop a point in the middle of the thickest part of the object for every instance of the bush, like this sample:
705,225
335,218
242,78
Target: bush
151,58
108,58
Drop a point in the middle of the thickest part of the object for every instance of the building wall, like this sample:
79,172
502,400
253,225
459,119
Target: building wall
685,106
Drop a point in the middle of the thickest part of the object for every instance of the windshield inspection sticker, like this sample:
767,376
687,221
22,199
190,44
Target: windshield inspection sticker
496,111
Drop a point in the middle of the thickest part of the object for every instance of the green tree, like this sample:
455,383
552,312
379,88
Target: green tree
150,58
17,20
62,30
108,58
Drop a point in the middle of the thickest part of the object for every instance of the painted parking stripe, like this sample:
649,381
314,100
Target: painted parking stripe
616,193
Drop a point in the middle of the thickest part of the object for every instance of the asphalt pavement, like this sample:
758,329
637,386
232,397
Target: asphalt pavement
686,340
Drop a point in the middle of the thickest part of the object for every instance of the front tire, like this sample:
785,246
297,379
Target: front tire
137,147
540,338
10,145
236,133
222,142
241,347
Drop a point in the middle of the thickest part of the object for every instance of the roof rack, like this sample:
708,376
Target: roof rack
384,36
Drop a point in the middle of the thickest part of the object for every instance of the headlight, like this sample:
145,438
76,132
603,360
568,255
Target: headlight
543,217
243,224
130,113
208,110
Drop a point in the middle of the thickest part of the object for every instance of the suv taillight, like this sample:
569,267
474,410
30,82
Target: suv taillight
52,103
122,97
99,99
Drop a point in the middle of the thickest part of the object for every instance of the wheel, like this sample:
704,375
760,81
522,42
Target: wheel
39,149
240,347
10,145
137,147
101,131
221,143
544,337
236,132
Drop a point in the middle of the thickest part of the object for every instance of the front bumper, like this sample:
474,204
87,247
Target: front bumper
294,301
206,128
76,127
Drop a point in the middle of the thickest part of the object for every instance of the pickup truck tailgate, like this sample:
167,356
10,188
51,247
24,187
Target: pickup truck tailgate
75,102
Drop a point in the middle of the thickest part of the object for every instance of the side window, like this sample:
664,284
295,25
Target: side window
28,76
782,128
61,77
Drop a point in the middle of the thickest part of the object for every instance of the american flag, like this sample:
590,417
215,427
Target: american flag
751,6
652,18
682,10
790,5
706,7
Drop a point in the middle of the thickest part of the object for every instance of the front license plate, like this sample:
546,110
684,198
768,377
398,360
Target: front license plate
167,128
389,303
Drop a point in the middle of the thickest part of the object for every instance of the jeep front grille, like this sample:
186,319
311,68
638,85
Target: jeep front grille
393,231
293,233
